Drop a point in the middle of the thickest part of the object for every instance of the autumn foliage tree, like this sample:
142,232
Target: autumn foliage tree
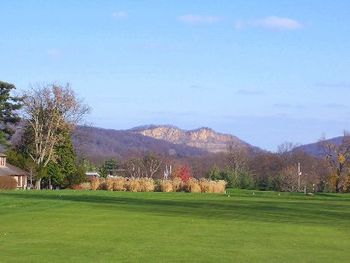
183,172
338,157
47,110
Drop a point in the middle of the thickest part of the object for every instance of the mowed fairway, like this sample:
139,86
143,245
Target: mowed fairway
100,226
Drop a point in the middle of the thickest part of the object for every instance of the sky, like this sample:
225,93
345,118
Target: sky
266,71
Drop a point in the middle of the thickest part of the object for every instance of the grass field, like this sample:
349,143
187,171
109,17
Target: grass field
86,226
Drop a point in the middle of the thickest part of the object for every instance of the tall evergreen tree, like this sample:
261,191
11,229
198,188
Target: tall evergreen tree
9,105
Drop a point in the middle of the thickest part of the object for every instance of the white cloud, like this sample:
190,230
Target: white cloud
275,22
271,22
120,15
198,19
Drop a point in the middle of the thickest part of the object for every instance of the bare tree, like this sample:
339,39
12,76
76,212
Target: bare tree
147,166
151,164
237,158
134,168
49,109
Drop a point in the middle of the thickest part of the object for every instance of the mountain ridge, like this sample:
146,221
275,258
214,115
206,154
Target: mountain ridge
99,143
203,138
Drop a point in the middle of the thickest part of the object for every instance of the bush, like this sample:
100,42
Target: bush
177,184
82,186
217,187
133,185
95,183
119,184
103,184
149,185
192,186
205,185
166,186
109,183
146,185
8,183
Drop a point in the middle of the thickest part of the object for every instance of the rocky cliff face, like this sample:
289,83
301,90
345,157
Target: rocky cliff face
203,138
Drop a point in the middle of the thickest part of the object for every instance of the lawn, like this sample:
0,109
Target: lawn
100,226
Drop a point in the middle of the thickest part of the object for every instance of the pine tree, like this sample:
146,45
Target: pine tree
9,105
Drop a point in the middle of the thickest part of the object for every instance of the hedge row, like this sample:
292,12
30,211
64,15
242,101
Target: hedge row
149,185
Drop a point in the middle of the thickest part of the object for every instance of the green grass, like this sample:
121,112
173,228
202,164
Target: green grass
87,226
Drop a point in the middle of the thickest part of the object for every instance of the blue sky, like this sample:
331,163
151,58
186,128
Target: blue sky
265,71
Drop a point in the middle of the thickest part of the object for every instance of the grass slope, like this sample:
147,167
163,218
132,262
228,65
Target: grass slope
69,226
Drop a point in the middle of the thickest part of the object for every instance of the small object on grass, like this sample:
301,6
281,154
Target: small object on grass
253,193
228,195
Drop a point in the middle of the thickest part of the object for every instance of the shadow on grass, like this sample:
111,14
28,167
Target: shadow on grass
243,209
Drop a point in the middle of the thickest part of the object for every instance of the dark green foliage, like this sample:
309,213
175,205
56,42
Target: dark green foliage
109,167
64,171
88,166
19,159
243,179
9,105
77,178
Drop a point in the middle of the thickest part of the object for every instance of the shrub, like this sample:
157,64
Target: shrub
146,184
149,185
183,172
205,185
103,184
109,182
166,186
95,183
177,184
218,186
192,186
82,186
119,184
133,185
7,182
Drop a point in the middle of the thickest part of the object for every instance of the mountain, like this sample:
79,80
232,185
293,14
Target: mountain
99,144
316,149
202,138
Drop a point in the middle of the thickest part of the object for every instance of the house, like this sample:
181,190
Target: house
91,175
9,170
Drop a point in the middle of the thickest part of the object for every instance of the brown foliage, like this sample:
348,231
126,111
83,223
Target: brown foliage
8,183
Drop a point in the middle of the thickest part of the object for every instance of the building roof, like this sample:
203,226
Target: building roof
92,174
10,170
2,155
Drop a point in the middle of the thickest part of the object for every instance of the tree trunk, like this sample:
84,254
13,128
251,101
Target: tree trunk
38,184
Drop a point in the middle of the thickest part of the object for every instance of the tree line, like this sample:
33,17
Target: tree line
45,116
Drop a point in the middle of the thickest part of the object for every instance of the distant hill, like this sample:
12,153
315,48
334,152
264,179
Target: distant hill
316,149
99,144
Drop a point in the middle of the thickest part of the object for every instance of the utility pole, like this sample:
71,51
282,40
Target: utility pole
299,176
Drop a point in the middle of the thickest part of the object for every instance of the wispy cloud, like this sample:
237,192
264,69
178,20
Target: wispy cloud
282,105
120,15
250,92
271,23
289,106
198,19
335,106
333,85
